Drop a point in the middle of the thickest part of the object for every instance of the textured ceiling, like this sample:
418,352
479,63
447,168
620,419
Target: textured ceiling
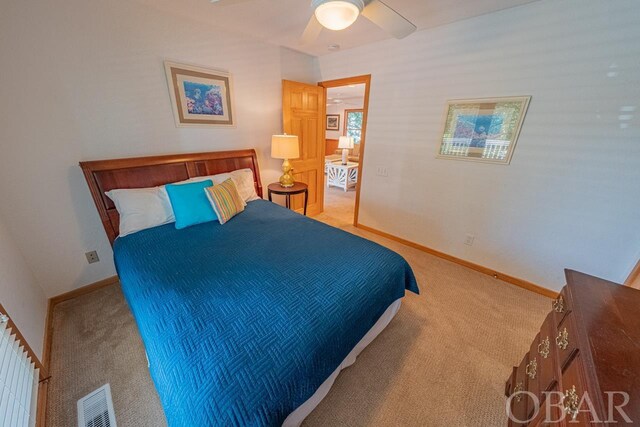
283,21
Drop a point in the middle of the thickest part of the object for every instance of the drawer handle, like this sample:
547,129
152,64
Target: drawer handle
519,388
562,340
543,347
532,368
558,305
570,402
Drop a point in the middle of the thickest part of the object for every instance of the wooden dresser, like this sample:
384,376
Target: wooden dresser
589,342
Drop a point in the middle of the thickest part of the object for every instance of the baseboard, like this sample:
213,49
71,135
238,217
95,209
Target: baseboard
482,269
43,387
48,333
46,346
41,411
83,290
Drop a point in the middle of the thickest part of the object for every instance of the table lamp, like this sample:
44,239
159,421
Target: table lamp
285,147
346,143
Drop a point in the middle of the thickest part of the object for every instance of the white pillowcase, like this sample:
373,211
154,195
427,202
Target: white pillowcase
141,208
242,178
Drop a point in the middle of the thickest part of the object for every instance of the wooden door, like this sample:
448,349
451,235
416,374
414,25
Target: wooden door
303,110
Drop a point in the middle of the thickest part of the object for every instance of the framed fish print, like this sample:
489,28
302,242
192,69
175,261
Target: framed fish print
200,96
483,129
333,122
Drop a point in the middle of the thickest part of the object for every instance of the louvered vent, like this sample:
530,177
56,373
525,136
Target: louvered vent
96,409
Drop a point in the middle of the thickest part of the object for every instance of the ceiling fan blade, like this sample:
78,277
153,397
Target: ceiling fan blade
312,31
227,2
388,19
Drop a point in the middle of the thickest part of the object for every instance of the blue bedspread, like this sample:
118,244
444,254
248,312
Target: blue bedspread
242,322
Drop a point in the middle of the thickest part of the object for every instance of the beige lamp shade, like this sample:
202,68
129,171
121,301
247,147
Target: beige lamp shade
285,147
345,142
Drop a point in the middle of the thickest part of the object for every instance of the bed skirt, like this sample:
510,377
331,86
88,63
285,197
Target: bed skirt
296,417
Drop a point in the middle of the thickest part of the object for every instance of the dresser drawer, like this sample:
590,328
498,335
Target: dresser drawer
549,415
546,354
561,306
511,383
532,370
520,402
573,389
566,341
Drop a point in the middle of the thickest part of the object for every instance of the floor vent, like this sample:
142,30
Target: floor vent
96,409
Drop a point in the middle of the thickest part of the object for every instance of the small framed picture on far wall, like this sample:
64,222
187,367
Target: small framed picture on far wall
333,122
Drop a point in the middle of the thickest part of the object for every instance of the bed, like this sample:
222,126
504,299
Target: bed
250,322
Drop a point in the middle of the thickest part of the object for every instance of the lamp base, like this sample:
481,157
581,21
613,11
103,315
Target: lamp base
345,156
286,180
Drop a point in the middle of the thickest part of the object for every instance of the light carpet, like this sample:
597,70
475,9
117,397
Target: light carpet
442,361
339,206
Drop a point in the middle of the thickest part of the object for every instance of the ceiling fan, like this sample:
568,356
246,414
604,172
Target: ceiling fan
340,14
337,15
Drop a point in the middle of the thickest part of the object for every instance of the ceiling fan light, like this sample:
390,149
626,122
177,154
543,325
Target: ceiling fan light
338,14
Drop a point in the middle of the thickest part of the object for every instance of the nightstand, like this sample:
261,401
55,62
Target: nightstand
298,188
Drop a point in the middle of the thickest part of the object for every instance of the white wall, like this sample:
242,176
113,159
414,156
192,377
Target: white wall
571,196
85,80
336,109
20,295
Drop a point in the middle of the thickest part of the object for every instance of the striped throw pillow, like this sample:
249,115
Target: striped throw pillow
225,200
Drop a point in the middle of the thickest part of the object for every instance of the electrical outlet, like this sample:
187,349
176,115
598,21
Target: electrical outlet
92,257
469,239
382,171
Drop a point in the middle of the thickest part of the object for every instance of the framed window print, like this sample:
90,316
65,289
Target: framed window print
200,96
483,129
333,122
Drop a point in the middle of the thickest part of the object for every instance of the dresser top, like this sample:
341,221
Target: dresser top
608,318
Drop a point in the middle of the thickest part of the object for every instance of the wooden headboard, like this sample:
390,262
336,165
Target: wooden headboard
141,172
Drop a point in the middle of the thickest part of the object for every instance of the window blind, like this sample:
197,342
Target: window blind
18,380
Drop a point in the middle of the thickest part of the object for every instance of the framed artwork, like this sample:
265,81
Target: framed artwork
483,129
200,96
333,122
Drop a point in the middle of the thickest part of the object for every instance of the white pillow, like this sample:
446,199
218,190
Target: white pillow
141,208
242,178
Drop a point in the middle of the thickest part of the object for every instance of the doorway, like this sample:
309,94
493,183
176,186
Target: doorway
347,104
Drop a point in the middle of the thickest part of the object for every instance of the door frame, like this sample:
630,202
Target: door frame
366,79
